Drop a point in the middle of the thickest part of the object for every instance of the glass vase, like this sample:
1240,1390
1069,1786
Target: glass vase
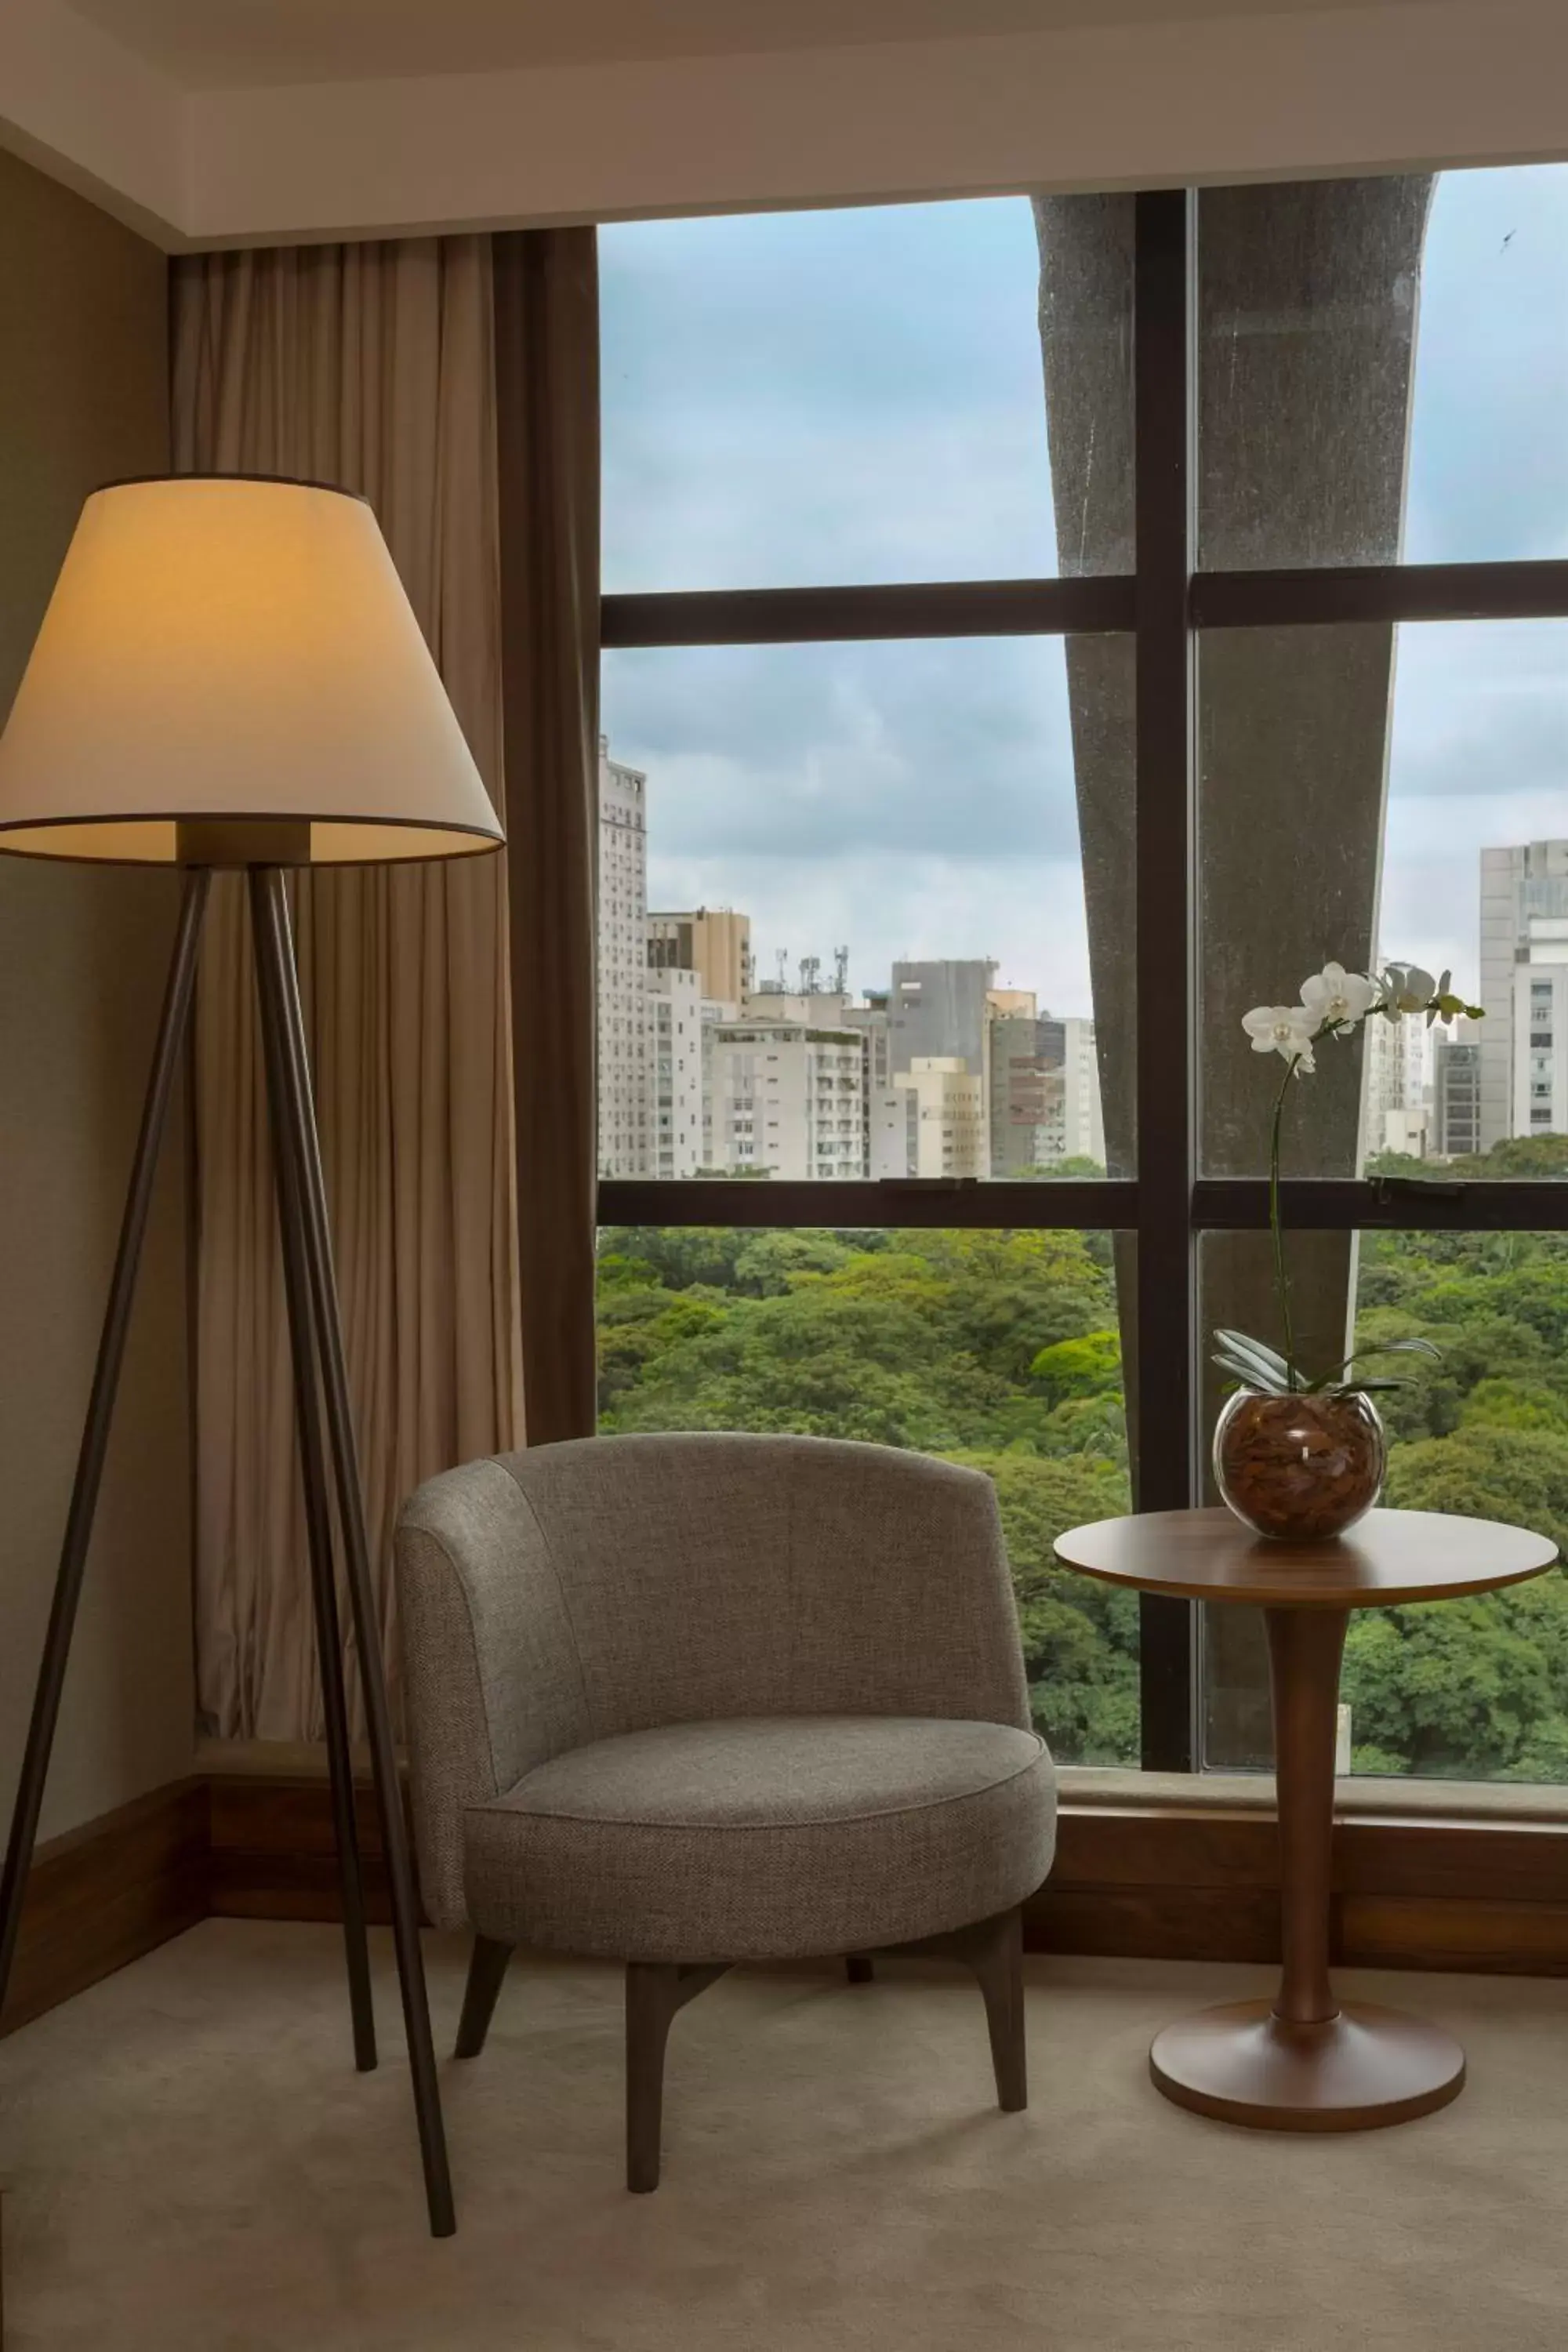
1300,1469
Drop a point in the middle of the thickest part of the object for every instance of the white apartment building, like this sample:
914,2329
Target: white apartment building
1524,893
1083,1120
787,1100
871,1024
1393,1086
1539,1023
679,1044
625,1025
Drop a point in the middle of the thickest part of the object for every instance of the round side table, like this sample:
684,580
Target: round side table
1302,2062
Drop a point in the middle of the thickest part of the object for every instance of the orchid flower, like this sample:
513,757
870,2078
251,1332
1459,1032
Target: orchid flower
1334,1002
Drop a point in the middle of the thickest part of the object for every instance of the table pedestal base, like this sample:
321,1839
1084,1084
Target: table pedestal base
1357,2071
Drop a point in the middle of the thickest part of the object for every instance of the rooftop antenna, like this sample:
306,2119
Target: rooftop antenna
782,961
841,972
810,974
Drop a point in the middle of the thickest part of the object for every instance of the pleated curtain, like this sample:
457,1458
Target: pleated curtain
370,366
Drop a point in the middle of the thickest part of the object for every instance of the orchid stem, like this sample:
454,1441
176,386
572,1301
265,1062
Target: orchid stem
1281,1282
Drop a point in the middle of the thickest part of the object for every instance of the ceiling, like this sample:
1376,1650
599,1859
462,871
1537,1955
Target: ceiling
236,44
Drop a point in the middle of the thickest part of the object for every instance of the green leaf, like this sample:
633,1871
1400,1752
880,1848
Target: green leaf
1250,1376
1268,1358
1384,1348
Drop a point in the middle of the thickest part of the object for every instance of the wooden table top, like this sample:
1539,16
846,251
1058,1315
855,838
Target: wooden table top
1391,1555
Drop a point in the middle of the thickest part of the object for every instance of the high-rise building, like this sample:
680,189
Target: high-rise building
787,1100
1524,941
712,941
679,1043
1083,1120
944,1131
1044,1087
624,1032
1540,1029
1456,1123
937,1012
871,1021
1393,1085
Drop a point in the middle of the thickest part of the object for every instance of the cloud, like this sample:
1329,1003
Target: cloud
1489,471
1027,917
794,398
856,396
957,748
1481,706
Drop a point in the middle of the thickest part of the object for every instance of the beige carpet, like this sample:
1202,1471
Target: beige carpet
193,2166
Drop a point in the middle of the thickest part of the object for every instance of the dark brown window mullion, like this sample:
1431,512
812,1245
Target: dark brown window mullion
1380,592
1165,1389
1384,1204
938,1203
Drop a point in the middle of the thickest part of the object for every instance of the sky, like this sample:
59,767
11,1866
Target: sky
805,398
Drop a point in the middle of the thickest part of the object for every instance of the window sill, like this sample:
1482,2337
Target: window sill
1104,1789
1086,1788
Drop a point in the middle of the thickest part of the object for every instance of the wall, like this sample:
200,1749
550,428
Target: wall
83,398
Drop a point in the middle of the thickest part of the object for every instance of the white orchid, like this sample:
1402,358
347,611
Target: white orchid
1285,1029
1337,999
1333,1002
1406,988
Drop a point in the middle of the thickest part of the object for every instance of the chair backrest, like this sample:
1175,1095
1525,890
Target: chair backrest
568,1593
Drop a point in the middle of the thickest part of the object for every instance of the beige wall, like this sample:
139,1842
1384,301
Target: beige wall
83,397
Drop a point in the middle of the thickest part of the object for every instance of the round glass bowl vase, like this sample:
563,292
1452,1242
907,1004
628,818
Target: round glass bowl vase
1300,1469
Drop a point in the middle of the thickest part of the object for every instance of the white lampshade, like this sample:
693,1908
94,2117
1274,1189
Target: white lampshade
229,673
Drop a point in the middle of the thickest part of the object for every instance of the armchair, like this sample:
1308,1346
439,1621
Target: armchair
692,1700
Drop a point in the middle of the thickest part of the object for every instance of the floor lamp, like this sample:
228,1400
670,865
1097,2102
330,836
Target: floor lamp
229,676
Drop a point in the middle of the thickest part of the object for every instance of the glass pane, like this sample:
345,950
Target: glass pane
812,398
996,1350
1467,1689
1405,789
863,910
1385,370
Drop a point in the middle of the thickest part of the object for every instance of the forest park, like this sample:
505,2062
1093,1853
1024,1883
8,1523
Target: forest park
1000,1349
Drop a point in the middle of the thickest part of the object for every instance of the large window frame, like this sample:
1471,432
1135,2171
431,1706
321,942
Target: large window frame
1162,604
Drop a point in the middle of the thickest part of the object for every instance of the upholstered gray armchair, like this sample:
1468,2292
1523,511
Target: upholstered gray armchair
692,1700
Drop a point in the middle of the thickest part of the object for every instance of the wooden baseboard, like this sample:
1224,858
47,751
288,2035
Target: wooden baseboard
1155,1883
273,1855
108,1892
1409,1893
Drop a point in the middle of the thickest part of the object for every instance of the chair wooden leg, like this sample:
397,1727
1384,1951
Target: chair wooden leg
995,1951
858,1968
487,1970
657,1990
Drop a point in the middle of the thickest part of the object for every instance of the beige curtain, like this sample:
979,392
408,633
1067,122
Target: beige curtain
370,366
547,377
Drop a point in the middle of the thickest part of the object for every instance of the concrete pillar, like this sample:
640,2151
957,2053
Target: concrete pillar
1307,328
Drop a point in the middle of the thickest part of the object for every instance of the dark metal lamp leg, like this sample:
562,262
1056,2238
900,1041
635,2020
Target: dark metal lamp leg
318,1526
275,949
172,1023
314,1325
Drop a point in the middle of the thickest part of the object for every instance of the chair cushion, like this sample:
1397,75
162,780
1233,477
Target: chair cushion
764,1837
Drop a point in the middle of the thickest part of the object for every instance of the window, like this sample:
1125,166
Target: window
998,1350
1478,1688
900,661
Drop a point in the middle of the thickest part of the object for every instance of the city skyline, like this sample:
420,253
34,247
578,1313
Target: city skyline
779,409
709,1063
